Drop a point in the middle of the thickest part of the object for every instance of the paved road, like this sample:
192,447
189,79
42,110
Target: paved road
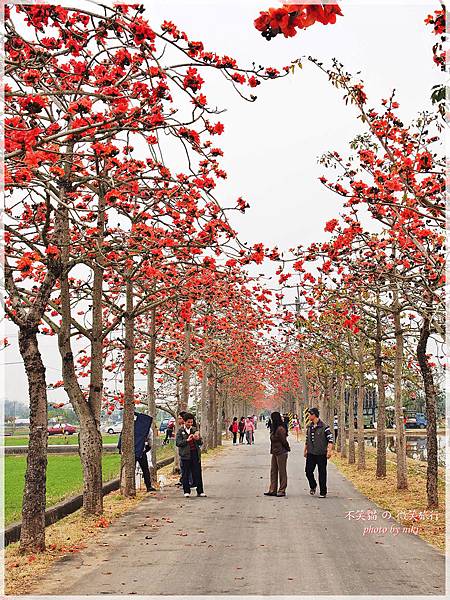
239,542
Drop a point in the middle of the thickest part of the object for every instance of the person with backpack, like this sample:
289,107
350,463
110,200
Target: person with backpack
234,428
279,449
241,428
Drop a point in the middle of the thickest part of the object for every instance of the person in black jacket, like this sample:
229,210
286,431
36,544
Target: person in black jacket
318,449
142,444
189,441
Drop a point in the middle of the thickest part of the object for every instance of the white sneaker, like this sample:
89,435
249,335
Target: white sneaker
202,495
187,495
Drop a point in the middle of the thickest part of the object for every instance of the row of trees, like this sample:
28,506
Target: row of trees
114,240
117,245
370,309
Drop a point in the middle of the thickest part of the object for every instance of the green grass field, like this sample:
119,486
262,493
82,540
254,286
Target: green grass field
64,478
22,440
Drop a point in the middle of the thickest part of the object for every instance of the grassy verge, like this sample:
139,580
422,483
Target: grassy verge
56,440
384,493
64,478
73,533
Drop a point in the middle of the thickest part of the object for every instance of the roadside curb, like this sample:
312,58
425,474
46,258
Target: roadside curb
68,506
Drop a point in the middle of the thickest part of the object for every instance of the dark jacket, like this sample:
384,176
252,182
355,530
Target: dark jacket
318,438
142,424
278,442
183,445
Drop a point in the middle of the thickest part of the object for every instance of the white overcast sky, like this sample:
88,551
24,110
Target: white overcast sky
271,146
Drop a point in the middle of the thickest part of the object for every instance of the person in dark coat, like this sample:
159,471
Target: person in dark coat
241,428
279,449
142,444
188,442
318,449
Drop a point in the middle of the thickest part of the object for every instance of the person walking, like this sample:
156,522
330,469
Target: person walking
249,429
241,428
286,422
335,427
189,442
279,449
318,449
234,428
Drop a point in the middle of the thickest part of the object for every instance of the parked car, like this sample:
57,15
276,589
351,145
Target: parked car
112,428
415,420
165,424
61,429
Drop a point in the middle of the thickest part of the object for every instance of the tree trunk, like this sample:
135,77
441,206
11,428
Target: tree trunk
430,399
151,395
351,428
402,477
381,417
186,375
360,417
342,431
128,458
89,439
204,423
32,535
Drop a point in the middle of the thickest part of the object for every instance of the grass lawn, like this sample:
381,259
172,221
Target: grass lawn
22,440
64,478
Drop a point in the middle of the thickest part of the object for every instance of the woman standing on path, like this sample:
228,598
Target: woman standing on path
188,441
279,449
249,429
241,428
234,428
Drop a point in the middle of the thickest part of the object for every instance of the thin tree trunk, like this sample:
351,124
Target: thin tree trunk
151,395
186,375
204,423
128,458
32,535
342,430
402,477
430,399
381,417
360,417
351,428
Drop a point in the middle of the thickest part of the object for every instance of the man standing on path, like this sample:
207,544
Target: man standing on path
318,449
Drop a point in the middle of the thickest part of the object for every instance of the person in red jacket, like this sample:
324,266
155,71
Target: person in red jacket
234,428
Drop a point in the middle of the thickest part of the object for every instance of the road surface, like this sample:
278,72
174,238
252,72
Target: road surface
239,542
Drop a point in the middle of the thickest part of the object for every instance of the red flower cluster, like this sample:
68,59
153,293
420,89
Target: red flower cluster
290,17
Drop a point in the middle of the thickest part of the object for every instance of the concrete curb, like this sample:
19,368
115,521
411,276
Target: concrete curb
68,506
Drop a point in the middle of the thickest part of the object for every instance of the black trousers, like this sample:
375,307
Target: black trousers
192,468
143,463
241,436
321,461
336,431
234,437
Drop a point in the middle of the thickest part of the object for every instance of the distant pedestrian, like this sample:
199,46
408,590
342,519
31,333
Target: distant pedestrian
234,428
335,427
279,449
241,428
296,426
189,442
286,422
249,429
318,449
